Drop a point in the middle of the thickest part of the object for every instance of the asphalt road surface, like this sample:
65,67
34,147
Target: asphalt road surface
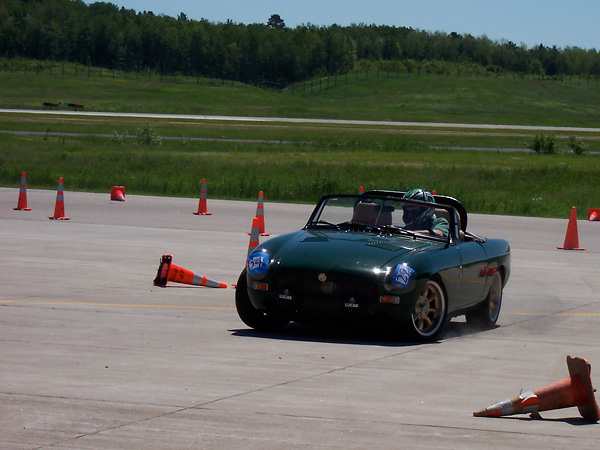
93,356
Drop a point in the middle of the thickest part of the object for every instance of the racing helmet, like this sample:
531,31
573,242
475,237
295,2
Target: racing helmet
414,214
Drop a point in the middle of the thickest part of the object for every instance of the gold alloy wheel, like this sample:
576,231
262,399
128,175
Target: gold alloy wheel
430,310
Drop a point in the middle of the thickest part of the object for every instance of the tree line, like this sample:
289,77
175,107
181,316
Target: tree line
102,35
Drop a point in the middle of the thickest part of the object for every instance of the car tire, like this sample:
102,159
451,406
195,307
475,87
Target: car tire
486,313
250,315
429,316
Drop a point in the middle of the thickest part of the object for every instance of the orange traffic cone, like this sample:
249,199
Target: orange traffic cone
361,190
576,390
59,208
593,214
202,209
571,238
254,239
167,271
117,193
260,215
22,203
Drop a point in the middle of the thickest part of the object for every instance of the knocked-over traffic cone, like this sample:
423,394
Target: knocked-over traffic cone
59,208
576,390
22,203
260,215
202,209
571,238
254,239
593,214
167,271
117,193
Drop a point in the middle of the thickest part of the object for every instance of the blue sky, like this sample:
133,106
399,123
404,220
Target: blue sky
564,23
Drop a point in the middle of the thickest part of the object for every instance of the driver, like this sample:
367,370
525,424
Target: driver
422,219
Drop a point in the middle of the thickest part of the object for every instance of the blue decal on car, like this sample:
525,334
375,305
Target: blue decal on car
258,263
403,275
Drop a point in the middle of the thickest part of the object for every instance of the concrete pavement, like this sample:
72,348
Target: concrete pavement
93,356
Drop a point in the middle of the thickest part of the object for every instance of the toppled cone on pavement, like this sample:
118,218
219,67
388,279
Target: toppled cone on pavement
117,193
575,390
167,271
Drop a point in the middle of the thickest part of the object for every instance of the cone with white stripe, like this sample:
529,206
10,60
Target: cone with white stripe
167,271
202,208
22,202
254,237
260,215
59,208
117,193
575,390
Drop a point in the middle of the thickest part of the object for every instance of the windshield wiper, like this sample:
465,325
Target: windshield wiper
366,227
393,229
324,222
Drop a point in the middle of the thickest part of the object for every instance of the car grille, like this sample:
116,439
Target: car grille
304,291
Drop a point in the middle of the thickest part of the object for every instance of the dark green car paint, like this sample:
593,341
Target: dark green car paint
345,270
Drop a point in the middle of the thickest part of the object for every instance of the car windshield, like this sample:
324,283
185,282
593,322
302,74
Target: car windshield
378,214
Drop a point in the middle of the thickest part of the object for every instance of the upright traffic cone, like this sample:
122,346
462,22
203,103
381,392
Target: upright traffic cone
22,203
361,190
593,214
254,239
59,208
202,209
571,238
167,271
260,215
576,390
117,193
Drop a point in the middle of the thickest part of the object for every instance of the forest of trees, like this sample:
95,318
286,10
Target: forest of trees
102,35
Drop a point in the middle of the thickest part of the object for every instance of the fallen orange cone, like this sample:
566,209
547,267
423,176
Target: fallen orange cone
59,207
202,208
593,214
571,238
117,193
167,271
22,202
576,390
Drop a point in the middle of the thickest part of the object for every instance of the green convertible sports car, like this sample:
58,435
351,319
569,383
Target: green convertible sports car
402,258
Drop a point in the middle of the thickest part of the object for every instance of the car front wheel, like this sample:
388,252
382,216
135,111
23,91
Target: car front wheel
250,315
429,315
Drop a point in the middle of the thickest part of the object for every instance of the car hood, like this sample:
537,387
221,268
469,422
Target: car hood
347,251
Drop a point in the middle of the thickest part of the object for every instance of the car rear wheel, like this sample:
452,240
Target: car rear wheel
487,312
429,315
250,315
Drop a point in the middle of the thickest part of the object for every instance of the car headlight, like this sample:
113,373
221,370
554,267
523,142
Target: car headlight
258,263
399,277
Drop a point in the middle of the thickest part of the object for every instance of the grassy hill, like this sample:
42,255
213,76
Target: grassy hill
427,98
299,162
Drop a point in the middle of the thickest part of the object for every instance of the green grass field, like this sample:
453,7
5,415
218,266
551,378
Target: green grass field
399,98
299,161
